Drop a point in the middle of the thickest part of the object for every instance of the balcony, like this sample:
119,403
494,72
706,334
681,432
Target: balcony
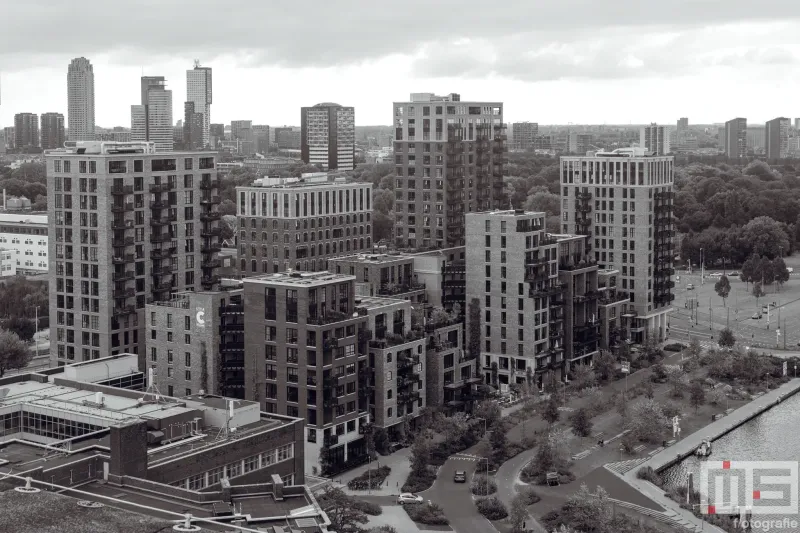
664,285
163,237
163,253
547,291
407,397
121,208
584,196
122,242
583,221
329,318
391,289
124,293
535,261
208,200
331,440
124,310
158,204
122,190
403,361
500,149
210,248
583,207
123,276
208,281
611,297
162,271
211,263
207,185
536,274
210,232
122,224
122,259
163,221
209,216
231,327
156,188
231,346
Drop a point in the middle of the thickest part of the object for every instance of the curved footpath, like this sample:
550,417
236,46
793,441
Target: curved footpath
456,498
507,479
688,445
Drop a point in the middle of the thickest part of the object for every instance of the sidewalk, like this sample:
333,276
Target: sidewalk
507,479
400,464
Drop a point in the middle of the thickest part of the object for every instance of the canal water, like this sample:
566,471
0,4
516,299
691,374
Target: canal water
772,436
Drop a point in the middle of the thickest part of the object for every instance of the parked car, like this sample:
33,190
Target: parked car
460,477
409,498
690,286
789,270
716,275
733,274
756,316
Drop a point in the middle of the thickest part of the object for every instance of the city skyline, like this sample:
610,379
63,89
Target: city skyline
626,60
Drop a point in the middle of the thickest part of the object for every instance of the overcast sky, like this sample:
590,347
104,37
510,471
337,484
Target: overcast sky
551,61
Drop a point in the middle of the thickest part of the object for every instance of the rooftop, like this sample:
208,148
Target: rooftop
510,213
314,179
372,302
631,152
23,218
115,148
373,258
300,279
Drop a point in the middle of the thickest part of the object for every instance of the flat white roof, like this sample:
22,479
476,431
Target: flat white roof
23,218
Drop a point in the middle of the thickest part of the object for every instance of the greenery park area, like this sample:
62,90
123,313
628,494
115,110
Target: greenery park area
19,300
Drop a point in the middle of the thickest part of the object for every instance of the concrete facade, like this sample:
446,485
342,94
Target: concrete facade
298,224
80,100
623,201
328,136
116,216
449,160
25,236
776,137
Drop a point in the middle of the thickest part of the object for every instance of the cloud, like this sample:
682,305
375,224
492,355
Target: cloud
315,33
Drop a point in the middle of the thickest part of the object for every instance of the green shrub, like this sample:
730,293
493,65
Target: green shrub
372,509
492,508
371,479
674,347
529,496
648,474
419,481
427,513
483,486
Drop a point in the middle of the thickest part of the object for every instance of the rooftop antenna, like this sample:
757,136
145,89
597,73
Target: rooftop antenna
196,63
152,388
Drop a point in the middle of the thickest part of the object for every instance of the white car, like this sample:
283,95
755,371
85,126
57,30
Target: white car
408,497
789,270
716,274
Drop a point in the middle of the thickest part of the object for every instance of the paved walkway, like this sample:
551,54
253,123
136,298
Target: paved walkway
399,463
507,479
688,445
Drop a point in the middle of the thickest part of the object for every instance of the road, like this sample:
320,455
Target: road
456,498
507,477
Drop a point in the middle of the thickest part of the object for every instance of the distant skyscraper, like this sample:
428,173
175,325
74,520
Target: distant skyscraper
198,91
52,131
216,134
523,135
287,138
26,131
328,136
80,100
797,123
261,138
192,128
736,138
152,120
776,138
654,139
579,143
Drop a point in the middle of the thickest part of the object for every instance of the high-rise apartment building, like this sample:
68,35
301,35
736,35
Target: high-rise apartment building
151,120
10,137
192,131
261,138
579,143
328,136
199,92
736,138
300,223
52,131
512,276
683,125
655,139
523,135
623,201
453,166
216,134
288,138
776,138
26,131
242,132
305,350
80,100
126,225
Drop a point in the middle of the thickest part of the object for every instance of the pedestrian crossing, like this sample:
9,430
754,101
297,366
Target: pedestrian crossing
586,453
623,467
466,457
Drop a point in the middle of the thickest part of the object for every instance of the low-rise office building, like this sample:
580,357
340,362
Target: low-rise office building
25,235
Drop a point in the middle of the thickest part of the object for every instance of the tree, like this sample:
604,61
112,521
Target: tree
723,288
584,376
343,511
439,317
585,511
489,411
581,423
228,227
694,350
551,413
381,439
454,427
605,365
474,325
647,420
650,348
39,203
781,272
758,292
767,271
750,269
726,338
25,328
518,513
227,207
495,373
697,395
766,236
420,455
499,444
13,352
